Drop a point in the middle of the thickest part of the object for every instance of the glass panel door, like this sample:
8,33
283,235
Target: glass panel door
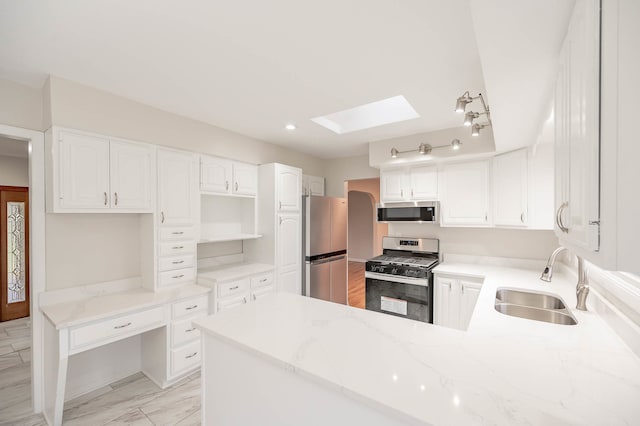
14,253
16,278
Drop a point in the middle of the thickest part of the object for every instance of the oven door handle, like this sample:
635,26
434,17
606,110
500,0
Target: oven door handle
397,279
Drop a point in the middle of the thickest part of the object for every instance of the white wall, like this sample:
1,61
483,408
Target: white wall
372,187
495,242
339,170
14,171
361,221
20,106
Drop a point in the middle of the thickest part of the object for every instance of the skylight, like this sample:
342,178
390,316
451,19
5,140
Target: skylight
386,111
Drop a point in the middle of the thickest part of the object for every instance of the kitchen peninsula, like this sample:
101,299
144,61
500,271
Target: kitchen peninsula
292,360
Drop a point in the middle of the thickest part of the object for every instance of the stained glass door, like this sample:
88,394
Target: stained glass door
14,253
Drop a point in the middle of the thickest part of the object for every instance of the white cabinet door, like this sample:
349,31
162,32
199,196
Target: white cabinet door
465,198
442,301
288,180
469,296
424,183
131,176
245,179
510,193
260,293
290,281
289,241
315,185
215,175
83,171
176,188
392,185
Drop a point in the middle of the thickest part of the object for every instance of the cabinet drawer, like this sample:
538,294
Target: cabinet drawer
185,358
176,277
190,306
114,329
176,234
233,287
261,292
232,302
183,331
262,280
176,262
177,248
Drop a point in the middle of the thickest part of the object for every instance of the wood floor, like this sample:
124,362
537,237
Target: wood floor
135,400
356,292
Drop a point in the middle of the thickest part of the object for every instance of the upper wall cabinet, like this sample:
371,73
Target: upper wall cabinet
510,194
177,188
577,120
312,185
465,194
222,176
288,183
89,173
418,183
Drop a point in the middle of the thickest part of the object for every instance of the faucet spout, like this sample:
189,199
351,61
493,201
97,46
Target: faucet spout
582,288
548,270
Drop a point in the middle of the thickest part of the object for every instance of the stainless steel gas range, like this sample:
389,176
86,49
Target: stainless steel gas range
400,281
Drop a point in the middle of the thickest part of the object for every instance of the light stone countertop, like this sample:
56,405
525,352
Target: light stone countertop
503,370
100,304
233,271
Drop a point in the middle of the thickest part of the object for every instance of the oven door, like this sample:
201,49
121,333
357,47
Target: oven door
400,296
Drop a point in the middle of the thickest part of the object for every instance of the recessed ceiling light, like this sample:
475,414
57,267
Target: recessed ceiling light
290,127
386,111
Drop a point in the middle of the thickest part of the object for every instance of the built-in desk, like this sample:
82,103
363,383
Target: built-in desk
89,317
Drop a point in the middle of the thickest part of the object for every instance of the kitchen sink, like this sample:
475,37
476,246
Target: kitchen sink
534,306
526,298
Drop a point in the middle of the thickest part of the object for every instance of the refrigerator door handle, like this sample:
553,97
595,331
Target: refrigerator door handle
328,259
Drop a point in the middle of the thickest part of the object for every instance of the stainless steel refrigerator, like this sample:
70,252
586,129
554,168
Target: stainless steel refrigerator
325,245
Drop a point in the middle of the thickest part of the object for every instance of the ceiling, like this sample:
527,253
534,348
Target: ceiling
254,66
13,147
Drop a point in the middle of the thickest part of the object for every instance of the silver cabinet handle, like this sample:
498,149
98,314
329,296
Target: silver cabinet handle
462,289
449,285
522,217
191,356
236,186
226,185
189,330
234,288
122,326
486,217
177,247
161,217
178,233
411,192
178,276
244,300
115,194
254,297
401,193
559,217
105,198
191,307
263,280
280,221
177,262
280,205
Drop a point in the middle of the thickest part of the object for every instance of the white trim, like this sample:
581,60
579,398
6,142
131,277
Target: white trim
37,248
351,259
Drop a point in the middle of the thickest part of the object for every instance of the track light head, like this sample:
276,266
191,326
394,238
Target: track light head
462,101
455,144
475,130
425,149
394,153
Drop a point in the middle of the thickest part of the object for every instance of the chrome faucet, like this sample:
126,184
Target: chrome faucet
548,270
582,288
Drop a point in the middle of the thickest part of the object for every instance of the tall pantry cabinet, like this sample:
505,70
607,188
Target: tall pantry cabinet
280,223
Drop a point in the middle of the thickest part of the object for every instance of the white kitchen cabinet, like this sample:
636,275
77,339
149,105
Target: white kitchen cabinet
465,194
288,184
510,190
455,299
279,224
222,176
577,120
92,173
177,188
417,183
312,185
233,293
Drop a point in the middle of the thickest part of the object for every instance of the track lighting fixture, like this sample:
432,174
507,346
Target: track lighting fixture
426,149
469,116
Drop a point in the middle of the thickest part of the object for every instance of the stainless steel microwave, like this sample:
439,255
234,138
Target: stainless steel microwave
420,212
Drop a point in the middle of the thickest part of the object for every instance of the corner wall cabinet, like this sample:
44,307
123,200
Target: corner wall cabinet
417,183
312,185
92,173
510,192
455,299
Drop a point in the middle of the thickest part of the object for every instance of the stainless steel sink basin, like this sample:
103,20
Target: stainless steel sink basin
534,306
536,314
526,298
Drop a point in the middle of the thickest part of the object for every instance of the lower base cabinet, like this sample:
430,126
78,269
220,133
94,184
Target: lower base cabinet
230,294
455,299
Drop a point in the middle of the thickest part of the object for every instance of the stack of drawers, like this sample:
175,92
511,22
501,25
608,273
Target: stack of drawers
185,338
176,256
229,294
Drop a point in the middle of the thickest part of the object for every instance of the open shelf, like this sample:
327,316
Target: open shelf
224,218
230,237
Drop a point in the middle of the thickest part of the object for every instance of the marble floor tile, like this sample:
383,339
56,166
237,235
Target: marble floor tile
174,405
20,408
111,405
83,399
9,361
20,322
29,420
132,418
18,331
194,419
21,343
5,349
25,355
